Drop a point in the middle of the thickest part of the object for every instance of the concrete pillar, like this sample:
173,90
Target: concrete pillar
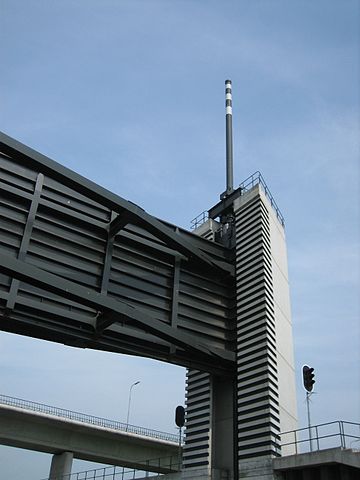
61,465
209,440
222,447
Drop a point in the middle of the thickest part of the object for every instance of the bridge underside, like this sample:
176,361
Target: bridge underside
81,266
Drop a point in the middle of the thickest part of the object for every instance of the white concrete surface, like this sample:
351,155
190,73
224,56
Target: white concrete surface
283,327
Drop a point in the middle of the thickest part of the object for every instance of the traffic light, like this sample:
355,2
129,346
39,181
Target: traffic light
308,378
180,416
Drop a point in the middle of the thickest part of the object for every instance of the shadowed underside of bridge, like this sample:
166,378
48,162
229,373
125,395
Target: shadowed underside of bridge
80,265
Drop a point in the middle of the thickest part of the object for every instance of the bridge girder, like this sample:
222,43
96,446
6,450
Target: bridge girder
90,269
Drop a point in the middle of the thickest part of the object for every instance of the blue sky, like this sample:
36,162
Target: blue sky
131,95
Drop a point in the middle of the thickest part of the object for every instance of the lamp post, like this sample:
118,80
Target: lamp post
128,412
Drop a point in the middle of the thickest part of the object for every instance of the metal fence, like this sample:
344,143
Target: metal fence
120,473
199,220
88,419
254,179
257,179
326,435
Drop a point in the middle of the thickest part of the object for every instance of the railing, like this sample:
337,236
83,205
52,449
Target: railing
254,179
121,473
326,435
199,220
257,179
88,419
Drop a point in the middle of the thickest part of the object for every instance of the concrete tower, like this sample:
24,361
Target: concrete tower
233,425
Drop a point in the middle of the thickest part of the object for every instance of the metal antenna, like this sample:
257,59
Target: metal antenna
229,139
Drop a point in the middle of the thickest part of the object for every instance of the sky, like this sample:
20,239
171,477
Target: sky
130,94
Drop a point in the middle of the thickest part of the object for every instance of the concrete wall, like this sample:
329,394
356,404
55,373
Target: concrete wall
283,327
329,456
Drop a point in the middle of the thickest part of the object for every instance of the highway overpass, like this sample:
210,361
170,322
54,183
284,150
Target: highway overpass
68,438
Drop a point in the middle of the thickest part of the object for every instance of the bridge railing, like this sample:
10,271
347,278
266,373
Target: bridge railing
325,435
121,473
88,419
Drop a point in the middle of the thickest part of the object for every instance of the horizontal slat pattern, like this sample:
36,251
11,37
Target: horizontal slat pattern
198,420
257,392
69,238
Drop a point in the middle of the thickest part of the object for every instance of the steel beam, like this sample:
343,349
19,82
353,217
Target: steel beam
119,223
113,309
26,238
13,148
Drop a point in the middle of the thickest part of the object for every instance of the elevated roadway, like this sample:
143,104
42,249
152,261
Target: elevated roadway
43,432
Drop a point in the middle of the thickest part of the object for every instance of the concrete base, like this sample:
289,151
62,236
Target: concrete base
61,465
330,456
204,474
257,469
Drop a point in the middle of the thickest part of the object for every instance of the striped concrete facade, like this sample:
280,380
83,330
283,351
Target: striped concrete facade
257,392
201,392
265,383
199,401
197,450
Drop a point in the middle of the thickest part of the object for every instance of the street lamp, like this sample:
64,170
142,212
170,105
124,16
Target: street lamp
128,412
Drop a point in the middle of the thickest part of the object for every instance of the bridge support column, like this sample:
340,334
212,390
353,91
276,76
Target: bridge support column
209,436
61,465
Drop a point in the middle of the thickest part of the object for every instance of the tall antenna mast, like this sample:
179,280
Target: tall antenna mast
229,139
224,210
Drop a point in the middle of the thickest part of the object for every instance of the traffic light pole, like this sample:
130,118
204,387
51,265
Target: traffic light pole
180,422
180,441
309,420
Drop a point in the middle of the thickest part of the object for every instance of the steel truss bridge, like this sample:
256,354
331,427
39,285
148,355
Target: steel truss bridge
81,266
